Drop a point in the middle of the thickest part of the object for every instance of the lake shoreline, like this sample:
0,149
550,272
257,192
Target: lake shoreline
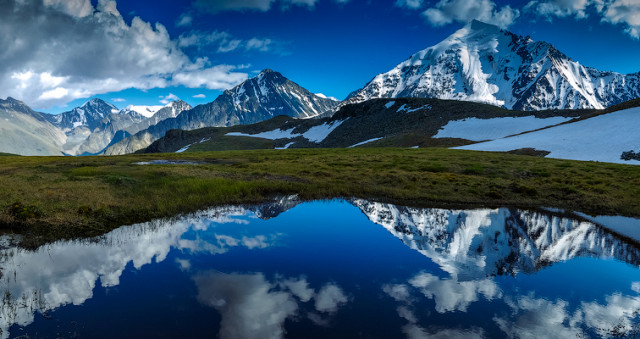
50,198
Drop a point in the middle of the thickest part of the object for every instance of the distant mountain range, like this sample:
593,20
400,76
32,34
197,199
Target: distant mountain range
479,63
404,122
265,96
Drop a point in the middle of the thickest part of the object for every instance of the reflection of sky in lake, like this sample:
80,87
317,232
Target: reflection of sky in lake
327,269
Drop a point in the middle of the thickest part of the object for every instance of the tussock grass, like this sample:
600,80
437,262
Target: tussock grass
61,197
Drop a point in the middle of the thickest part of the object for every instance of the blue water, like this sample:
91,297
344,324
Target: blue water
329,269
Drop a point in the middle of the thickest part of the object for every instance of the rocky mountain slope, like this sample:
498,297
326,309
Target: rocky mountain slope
126,122
26,132
263,97
407,122
483,63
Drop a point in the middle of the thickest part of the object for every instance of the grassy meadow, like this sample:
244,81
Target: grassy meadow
50,198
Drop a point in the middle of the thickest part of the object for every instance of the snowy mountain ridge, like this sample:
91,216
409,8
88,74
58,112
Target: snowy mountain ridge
267,95
482,63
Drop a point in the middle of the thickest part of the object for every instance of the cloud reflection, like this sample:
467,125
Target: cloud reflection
67,272
253,307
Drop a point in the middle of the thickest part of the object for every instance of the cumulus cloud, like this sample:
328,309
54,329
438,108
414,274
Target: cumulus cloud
560,8
623,12
410,4
168,98
448,11
96,51
216,77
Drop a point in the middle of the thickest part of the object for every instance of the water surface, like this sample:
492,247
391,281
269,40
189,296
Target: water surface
329,269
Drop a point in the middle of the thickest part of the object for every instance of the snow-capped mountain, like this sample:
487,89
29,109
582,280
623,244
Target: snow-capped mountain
485,242
147,111
88,115
483,63
126,122
265,96
26,132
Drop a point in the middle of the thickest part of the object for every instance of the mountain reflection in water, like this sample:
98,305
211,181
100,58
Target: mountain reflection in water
325,269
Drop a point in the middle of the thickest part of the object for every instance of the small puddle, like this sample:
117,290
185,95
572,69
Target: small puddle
170,162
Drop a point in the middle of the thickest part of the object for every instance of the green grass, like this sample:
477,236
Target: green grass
60,197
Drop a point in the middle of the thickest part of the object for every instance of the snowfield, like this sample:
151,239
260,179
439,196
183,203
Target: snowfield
601,138
315,134
495,128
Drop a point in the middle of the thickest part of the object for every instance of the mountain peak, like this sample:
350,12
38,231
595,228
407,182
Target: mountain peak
16,104
483,63
268,70
95,102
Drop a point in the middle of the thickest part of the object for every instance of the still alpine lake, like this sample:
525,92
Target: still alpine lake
329,269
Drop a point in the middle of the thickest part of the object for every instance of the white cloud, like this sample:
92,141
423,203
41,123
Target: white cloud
311,4
96,51
258,44
216,77
410,4
118,100
560,8
216,6
199,96
185,20
76,8
449,11
330,298
168,98
225,42
626,12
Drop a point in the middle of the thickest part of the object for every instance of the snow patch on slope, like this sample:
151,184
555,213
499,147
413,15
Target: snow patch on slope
601,138
364,142
319,133
489,129
272,135
315,134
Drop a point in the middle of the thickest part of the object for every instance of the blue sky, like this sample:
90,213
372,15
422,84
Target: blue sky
145,52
